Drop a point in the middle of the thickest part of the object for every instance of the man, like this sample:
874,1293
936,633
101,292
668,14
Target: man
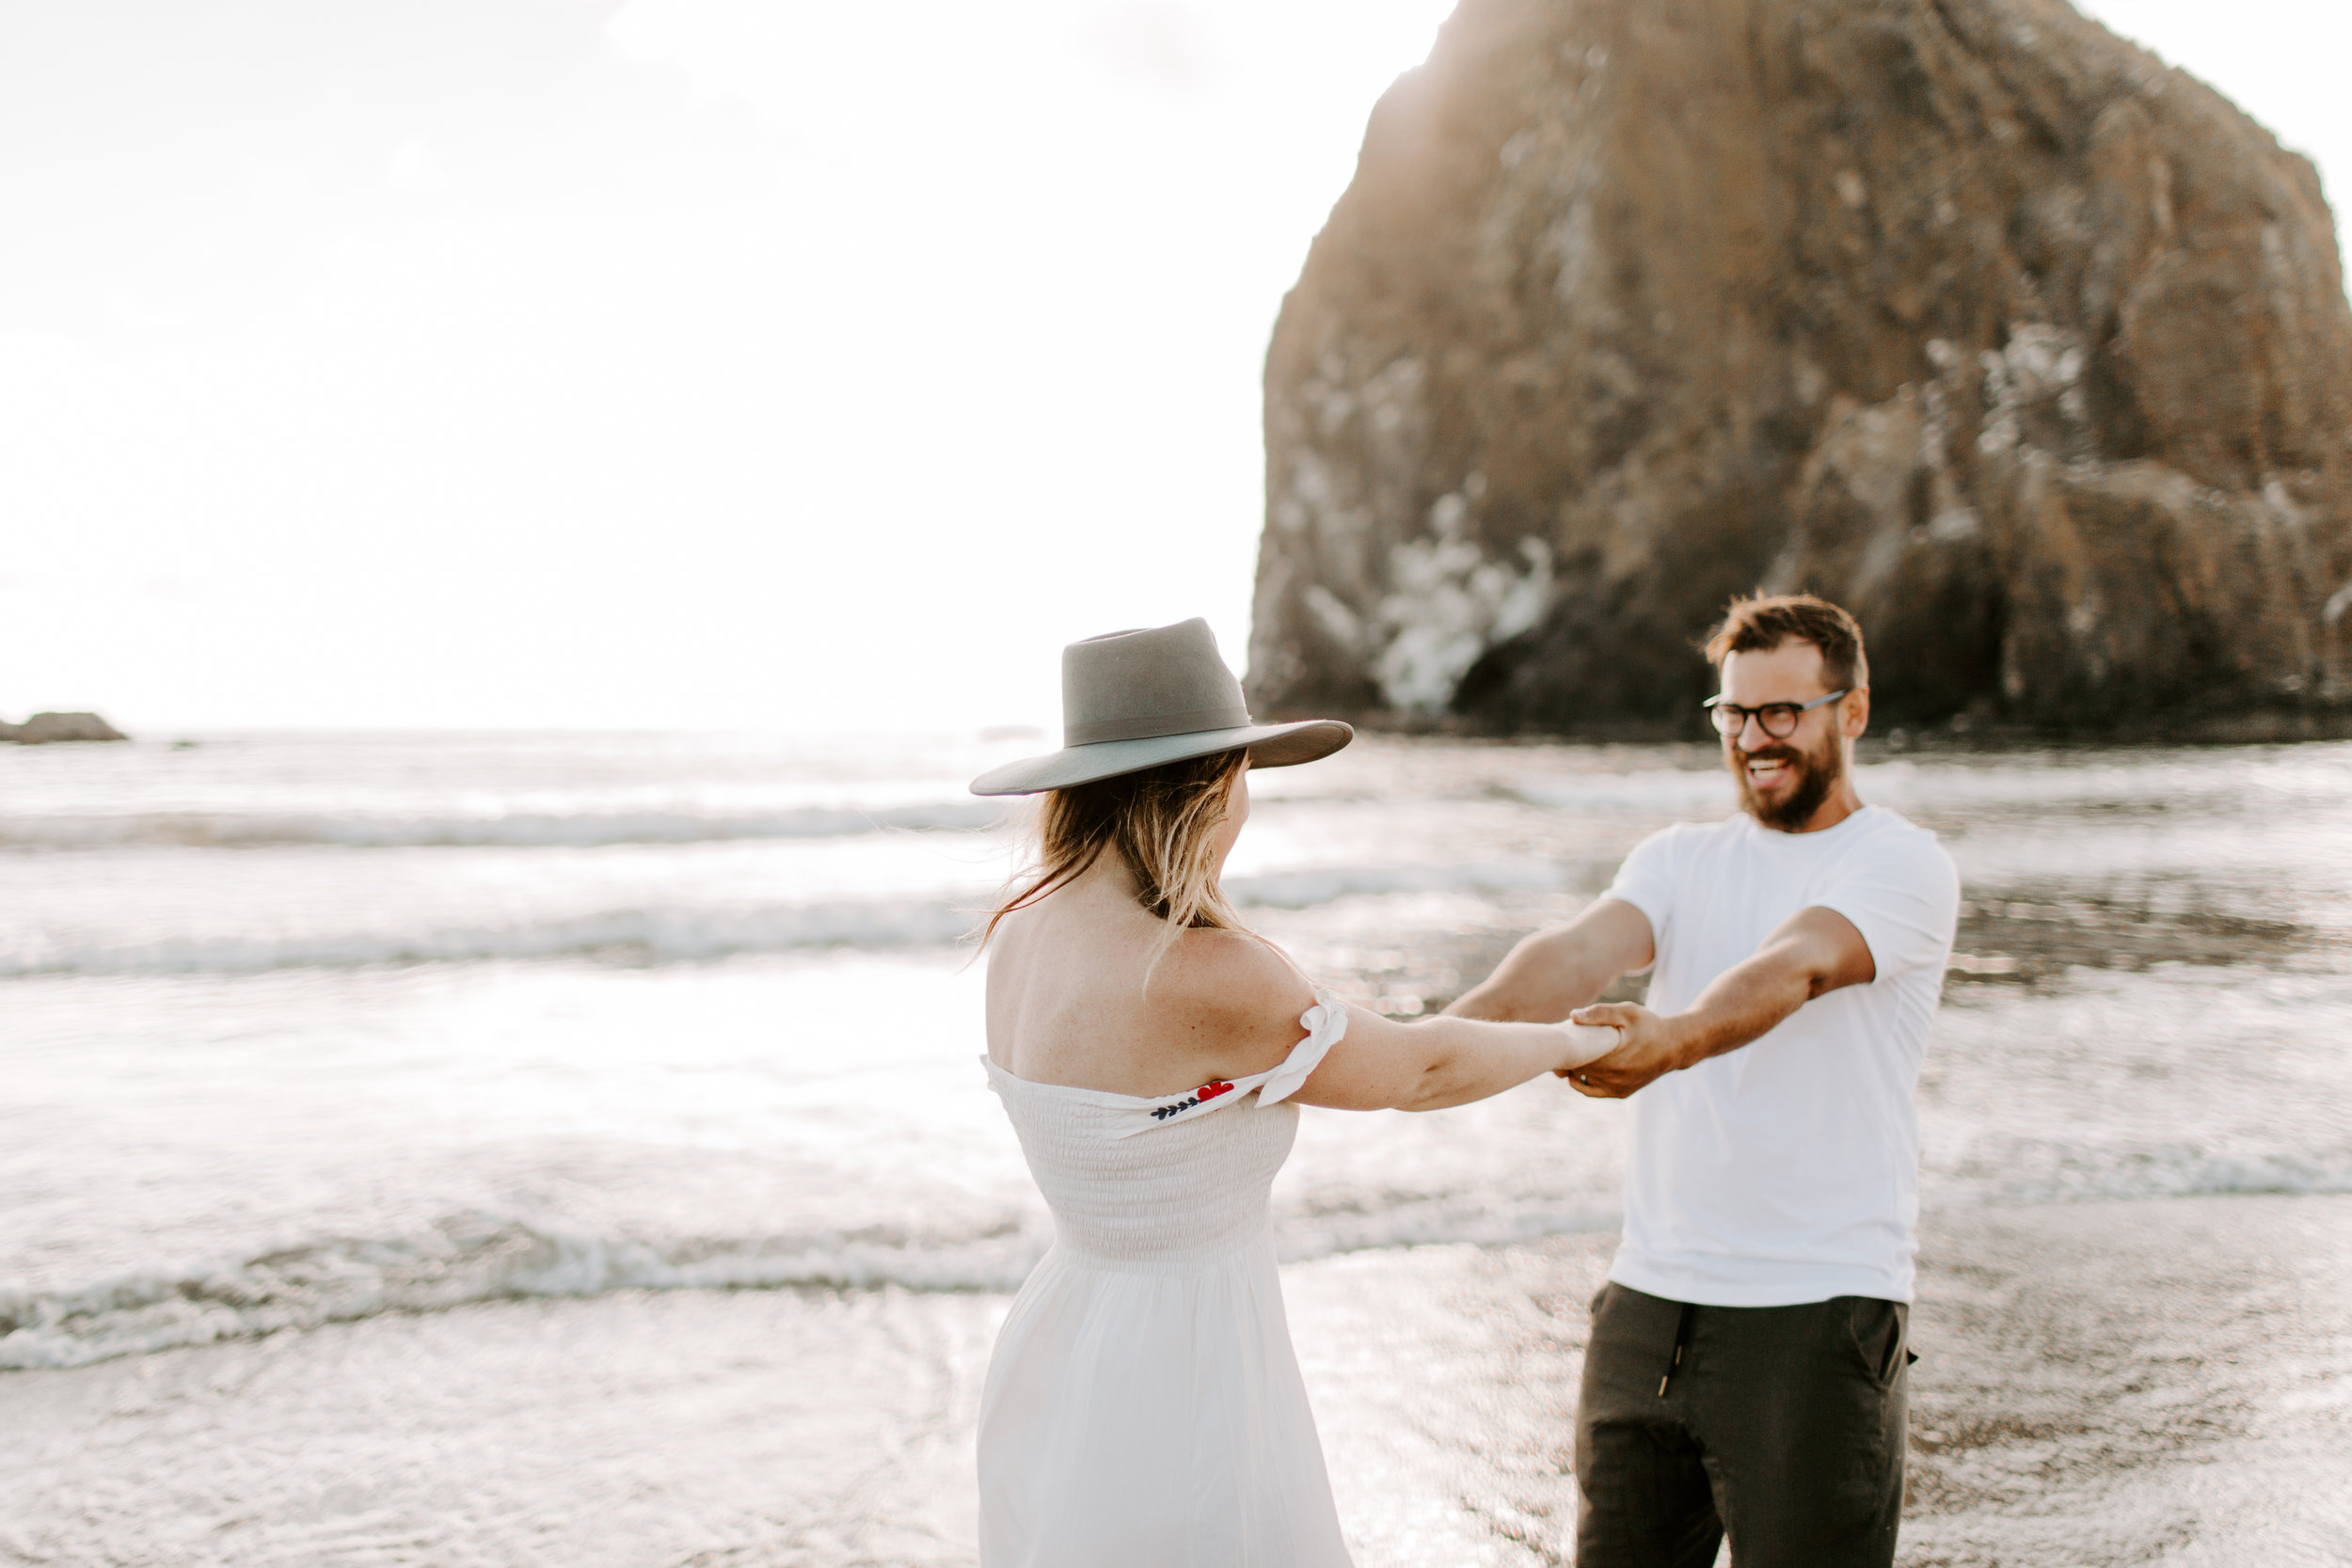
1747,1368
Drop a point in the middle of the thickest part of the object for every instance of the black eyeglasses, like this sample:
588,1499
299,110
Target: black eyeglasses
1778,718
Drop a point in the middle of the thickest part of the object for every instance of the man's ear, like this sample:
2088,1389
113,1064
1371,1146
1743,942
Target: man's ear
1853,713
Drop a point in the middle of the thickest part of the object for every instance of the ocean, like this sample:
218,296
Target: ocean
408,1055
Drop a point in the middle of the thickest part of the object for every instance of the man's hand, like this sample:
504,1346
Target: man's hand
1649,1046
1814,951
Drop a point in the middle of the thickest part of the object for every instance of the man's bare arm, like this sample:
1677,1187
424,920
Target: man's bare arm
1814,952
1553,972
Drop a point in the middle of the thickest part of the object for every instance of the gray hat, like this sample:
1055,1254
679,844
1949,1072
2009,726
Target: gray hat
1132,700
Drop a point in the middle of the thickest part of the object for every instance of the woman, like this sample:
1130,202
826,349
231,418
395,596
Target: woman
1143,1408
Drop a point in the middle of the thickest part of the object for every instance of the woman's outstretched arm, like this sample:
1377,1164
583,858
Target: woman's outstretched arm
1436,1062
1238,998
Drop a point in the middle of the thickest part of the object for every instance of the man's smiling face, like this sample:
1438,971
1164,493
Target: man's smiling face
1782,782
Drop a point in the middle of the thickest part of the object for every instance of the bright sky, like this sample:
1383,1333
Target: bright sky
699,362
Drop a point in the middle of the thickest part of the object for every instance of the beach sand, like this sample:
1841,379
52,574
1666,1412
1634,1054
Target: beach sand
2159,1381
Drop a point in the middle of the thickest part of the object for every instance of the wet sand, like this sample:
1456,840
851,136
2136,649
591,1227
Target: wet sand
2146,1382
2163,1381
2128,1382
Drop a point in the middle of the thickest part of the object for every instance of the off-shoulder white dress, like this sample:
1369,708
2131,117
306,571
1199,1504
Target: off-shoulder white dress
1143,1408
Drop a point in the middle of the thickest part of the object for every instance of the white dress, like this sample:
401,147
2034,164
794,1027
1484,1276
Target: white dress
1143,1408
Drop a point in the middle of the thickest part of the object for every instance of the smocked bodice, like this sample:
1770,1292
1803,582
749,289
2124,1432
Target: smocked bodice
1165,1185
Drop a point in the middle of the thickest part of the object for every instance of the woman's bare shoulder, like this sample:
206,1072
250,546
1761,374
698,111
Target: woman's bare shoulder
1231,983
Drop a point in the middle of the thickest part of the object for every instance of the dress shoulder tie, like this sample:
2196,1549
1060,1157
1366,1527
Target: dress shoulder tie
1326,1023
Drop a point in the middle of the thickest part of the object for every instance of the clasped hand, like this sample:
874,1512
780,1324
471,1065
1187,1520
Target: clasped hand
1646,1049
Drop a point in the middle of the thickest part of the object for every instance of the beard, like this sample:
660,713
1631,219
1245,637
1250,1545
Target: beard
1816,773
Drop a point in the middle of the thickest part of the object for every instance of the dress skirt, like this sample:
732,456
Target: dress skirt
1143,1418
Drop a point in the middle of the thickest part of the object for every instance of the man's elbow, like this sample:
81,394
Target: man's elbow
1837,971
1803,970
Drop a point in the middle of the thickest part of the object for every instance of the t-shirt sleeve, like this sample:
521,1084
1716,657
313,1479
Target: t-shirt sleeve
1646,880
1903,896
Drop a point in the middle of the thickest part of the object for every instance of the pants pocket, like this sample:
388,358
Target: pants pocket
1879,1332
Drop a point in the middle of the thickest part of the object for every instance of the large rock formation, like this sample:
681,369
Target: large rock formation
1967,313
43,729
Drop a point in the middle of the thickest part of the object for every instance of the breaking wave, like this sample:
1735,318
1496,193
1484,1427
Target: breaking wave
461,1259
472,1256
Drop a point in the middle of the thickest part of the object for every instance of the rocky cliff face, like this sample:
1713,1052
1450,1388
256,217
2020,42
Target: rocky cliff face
1965,313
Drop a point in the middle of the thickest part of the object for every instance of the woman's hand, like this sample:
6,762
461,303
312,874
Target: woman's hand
1581,1043
1649,1047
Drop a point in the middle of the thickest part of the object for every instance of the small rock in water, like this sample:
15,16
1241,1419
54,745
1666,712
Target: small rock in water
44,728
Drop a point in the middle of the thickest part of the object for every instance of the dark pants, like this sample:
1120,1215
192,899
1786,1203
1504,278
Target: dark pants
1780,1426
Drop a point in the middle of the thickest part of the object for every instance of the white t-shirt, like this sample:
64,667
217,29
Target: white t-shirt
1786,1171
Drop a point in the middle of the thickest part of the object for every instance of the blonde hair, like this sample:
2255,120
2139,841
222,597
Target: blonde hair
1163,823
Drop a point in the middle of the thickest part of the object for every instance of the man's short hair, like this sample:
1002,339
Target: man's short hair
1761,623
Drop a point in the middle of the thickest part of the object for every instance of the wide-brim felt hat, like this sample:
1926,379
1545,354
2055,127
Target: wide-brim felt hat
1132,700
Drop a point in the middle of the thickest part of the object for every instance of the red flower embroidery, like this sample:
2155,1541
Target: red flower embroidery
1210,1091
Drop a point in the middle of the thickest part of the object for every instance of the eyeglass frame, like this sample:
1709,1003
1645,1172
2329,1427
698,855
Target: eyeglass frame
1796,714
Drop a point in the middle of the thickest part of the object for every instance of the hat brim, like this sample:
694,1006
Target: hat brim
1269,746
